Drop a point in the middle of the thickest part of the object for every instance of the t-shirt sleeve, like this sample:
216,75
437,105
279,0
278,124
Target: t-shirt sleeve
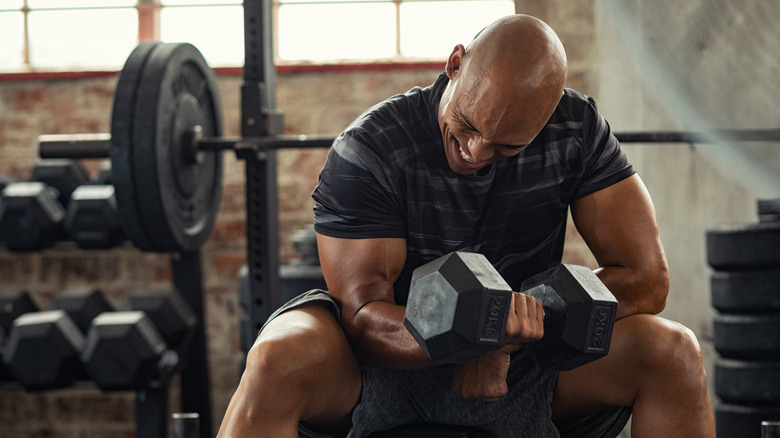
605,163
357,197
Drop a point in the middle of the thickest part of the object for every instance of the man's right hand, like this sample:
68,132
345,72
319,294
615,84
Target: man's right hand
525,322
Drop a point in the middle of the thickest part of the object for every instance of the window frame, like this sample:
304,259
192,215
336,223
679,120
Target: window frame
149,28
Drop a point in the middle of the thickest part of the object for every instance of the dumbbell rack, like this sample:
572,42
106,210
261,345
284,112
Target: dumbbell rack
152,402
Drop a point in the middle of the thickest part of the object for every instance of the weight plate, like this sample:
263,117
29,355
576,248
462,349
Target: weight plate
737,421
179,189
122,141
747,336
746,291
744,246
747,382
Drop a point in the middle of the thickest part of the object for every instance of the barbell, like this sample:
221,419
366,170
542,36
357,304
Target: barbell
165,147
166,141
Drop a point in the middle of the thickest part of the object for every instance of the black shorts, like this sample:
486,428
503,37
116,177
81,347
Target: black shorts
392,398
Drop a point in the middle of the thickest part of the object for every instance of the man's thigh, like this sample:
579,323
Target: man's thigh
306,352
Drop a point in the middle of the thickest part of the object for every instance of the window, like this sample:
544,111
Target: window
94,34
53,34
322,30
215,27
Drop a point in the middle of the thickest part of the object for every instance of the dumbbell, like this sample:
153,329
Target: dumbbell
458,307
44,347
92,219
12,304
30,216
129,349
32,213
65,176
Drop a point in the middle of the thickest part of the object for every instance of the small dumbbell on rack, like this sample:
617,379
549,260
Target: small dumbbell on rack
142,343
44,346
81,338
59,202
13,303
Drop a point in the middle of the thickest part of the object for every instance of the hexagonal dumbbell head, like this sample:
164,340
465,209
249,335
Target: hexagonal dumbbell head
30,216
92,220
123,350
81,304
63,175
14,303
579,314
169,312
457,307
43,350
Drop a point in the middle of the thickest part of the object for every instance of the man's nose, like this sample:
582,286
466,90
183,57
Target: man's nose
479,149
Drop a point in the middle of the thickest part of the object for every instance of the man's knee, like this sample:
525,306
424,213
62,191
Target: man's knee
659,345
303,357
294,343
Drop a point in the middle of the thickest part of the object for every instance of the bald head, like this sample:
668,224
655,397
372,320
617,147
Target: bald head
518,51
503,89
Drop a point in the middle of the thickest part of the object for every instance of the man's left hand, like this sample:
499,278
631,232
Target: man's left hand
484,378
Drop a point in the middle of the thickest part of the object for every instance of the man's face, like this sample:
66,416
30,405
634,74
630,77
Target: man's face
482,122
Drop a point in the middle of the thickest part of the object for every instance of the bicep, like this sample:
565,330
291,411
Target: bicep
359,271
619,225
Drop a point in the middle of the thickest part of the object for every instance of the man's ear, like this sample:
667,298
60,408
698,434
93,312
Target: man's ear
454,61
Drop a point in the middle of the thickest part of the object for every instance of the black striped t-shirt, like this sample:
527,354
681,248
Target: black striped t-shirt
387,176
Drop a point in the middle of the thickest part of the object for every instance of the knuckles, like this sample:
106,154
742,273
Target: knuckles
525,322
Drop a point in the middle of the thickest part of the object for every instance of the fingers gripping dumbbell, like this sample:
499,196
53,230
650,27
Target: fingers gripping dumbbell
458,307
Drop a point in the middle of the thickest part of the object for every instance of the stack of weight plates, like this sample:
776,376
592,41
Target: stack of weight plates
745,287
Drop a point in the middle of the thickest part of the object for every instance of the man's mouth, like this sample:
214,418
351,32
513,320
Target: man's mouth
465,156
466,160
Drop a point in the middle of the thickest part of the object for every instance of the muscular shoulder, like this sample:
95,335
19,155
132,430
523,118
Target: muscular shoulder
574,114
399,126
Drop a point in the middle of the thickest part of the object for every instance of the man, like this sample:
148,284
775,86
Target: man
488,159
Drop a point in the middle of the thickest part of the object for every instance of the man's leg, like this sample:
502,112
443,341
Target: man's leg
300,368
654,365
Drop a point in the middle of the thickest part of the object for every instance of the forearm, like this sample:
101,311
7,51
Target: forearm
379,338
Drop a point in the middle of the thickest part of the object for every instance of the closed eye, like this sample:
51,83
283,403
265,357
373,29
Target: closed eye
465,124
468,126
